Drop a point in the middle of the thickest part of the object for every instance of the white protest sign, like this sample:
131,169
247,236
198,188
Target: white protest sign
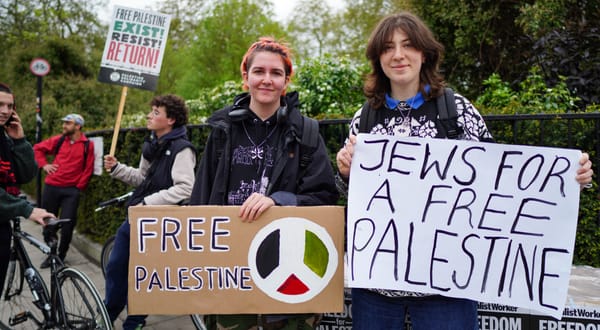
134,48
484,221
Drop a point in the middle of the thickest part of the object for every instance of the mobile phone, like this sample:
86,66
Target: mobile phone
10,119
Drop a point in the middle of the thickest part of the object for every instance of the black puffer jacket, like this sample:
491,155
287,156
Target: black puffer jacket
316,186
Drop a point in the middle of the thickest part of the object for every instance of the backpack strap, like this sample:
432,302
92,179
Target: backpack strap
86,146
367,118
58,144
448,115
309,140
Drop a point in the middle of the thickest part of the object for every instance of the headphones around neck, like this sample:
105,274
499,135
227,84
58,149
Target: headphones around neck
240,112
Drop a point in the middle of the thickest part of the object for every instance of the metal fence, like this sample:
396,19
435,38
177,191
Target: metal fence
570,130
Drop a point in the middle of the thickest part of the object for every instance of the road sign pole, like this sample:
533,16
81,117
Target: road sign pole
38,134
39,67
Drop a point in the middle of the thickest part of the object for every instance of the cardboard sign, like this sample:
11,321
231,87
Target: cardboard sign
489,222
134,48
203,259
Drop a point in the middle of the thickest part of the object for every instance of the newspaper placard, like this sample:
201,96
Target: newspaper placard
203,259
134,48
489,222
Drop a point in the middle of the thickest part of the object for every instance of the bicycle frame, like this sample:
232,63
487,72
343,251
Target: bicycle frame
47,302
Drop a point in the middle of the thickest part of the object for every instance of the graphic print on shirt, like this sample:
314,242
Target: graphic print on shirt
251,167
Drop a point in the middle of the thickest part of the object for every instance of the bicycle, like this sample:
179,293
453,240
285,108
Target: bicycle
73,302
107,247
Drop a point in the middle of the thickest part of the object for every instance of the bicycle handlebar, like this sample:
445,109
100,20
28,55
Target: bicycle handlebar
119,199
54,221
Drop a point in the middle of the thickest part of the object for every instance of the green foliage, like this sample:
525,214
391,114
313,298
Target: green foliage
213,99
222,37
330,87
533,96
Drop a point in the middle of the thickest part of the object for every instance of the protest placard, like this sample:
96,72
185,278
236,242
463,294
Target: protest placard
203,259
134,48
133,54
488,222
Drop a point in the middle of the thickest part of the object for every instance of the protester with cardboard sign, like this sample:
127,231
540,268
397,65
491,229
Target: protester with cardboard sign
165,176
402,89
259,154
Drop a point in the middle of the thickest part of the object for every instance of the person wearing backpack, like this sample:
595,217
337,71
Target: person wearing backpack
67,175
406,96
263,152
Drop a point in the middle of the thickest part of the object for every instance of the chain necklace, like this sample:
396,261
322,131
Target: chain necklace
257,150
406,124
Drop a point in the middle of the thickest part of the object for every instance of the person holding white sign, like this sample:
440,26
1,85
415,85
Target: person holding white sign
403,92
259,155
165,176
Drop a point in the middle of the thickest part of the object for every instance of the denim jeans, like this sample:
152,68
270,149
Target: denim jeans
117,271
372,311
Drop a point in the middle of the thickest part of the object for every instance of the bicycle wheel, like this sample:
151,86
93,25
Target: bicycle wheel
17,307
81,307
198,321
105,254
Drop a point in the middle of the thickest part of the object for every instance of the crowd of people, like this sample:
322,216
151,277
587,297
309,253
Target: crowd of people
253,159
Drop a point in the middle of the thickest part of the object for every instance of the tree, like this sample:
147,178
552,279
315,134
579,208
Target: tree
311,26
357,21
222,37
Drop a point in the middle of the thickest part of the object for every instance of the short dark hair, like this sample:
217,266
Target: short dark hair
174,106
6,89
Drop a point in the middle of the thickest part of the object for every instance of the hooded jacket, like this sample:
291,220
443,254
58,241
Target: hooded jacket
16,159
291,183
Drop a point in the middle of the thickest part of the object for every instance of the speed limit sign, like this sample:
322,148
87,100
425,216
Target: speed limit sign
39,67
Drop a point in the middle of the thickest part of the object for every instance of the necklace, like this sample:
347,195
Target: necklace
406,123
257,150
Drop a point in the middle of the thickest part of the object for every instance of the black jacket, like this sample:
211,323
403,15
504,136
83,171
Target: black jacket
293,185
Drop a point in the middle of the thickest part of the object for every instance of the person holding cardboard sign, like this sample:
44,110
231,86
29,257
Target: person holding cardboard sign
262,152
403,92
165,176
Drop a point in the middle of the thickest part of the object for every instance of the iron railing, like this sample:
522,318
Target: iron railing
570,130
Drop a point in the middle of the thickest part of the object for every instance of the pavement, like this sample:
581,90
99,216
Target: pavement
584,285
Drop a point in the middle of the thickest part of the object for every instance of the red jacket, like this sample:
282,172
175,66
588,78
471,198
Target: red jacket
71,171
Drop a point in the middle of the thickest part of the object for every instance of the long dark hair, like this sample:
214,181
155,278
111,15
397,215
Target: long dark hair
421,37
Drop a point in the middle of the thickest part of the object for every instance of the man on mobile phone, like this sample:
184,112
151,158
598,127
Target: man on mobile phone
17,166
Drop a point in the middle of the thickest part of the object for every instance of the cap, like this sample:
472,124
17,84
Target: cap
77,119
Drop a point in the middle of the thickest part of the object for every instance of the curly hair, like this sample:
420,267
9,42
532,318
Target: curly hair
175,107
421,37
268,44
